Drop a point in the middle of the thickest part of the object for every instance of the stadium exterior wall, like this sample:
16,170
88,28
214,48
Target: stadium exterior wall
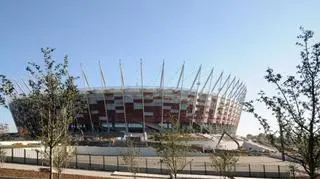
212,112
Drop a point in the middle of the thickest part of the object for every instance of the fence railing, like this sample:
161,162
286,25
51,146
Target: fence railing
148,164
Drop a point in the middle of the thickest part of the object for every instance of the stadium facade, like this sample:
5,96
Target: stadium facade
212,107
207,108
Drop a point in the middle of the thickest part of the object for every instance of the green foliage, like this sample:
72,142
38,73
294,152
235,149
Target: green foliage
296,107
50,105
6,89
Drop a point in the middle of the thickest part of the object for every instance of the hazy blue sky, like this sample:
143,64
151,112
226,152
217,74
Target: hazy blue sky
240,37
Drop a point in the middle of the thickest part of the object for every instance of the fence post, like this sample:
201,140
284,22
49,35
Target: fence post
76,160
249,170
205,168
37,157
146,165
160,166
264,171
117,162
104,163
89,161
24,156
191,167
279,171
12,154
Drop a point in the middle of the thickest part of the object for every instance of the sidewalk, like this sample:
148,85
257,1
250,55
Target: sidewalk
184,176
115,175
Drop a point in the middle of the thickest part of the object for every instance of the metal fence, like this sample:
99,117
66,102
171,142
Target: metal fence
148,164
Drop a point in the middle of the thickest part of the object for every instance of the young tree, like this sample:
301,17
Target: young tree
50,105
224,162
130,157
296,107
62,156
3,155
172,148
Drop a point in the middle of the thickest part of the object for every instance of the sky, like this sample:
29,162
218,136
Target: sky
242,38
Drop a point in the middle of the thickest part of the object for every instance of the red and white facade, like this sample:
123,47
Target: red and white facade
214,109
126,106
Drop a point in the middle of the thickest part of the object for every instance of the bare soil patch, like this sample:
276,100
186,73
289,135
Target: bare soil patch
34,174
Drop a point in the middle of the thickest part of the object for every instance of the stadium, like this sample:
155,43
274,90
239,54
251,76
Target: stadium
212,107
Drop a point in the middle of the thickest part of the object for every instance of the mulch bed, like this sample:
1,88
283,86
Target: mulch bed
34,174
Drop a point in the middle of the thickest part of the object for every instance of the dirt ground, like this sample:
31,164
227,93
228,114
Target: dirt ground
33,174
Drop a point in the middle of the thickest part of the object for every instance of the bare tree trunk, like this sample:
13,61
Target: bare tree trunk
312,162
312,168
282,142
175,168
312,172
51,162
59,174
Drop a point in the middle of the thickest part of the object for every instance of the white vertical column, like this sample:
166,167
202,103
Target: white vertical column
162,93
86,83
196,96
142,98
103,82
123,100
180,78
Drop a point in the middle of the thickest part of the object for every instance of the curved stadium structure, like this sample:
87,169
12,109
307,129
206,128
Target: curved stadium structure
206,108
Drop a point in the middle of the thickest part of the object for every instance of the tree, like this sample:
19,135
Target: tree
296,107
130,157
172,148
50,105
62,156
6,90
3,155
224,162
